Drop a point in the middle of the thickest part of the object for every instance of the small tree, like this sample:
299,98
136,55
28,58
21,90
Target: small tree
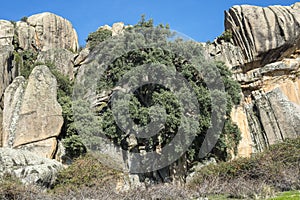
226,36
97,37
24,19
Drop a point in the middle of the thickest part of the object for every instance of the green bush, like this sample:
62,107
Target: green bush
74,146
149,95
86,171
97,37
24,19
25,62
226,36
277,169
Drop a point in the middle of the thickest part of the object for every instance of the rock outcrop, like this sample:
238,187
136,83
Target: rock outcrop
51,37
28,167
32,115
12,104
61,59
47,31
264,34
264,57
226,52
7,32
116,28
7,71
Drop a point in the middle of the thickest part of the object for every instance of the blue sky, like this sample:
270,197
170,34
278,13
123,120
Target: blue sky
199,19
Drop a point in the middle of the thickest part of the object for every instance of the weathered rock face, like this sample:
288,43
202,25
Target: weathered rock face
265,60
49,35
279,118
82,56
32,116
29,167
6,32
12,101
47,31
62,59
264,34
226,52
116,29
7,73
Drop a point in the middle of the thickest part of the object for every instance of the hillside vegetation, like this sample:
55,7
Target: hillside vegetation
263,176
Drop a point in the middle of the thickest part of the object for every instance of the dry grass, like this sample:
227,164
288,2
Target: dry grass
277,169
260,177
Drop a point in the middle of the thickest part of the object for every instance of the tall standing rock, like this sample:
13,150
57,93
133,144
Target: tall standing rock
7,72
53,39
33,119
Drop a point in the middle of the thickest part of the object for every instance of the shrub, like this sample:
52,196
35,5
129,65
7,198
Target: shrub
24,19
226,36
25,62
74,146
86,171
276,169
97,37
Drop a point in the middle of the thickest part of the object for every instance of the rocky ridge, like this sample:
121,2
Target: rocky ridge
31,117
263,54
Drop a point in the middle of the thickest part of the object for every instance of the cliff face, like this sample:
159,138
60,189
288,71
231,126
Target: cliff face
30,115
264,57
7,71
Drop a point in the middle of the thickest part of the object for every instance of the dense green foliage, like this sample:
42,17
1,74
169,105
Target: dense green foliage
25,62
147,96
97,37
74,147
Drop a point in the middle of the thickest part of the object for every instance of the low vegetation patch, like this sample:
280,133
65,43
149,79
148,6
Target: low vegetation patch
291,195
86,171
275,170
273,174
